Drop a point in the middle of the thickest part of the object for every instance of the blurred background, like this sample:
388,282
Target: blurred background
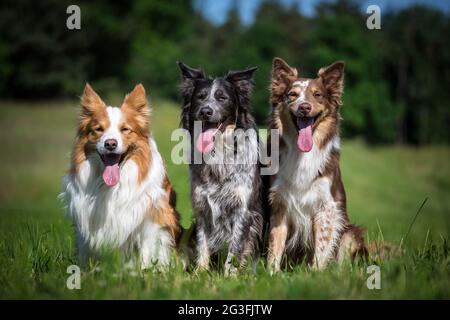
395,151
397,78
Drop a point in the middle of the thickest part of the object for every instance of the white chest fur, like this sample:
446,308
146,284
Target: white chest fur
114,216
302,193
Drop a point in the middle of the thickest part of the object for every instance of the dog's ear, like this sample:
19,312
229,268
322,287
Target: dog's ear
91,104
282,74
90,101
279,67
243,82
333,81
243,75
190,73
136,102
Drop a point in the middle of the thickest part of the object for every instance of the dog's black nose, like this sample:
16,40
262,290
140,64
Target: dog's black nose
304,108
111,144
205,113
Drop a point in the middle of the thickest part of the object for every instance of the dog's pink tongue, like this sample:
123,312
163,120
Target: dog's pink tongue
111,173
205,140
304,140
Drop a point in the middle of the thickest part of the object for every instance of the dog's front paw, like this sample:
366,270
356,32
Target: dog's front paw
231,266
198,269
230,270
273,269
273,265
319,264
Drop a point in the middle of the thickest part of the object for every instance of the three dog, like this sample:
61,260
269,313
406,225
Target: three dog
118,194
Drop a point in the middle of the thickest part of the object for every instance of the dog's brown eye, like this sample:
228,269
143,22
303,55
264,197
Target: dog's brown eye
98,129
125,130
317,94
292,95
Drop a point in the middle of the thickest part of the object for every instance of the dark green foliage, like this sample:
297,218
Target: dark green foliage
396,78
416,60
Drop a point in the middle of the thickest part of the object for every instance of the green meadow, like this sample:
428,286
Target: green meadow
385,186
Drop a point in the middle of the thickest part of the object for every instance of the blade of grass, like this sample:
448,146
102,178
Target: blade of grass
415,218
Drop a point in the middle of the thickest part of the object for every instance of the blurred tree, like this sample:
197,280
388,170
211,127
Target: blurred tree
396,78
107,28
277,31
416,60
36,50
340,33
41,58
160,30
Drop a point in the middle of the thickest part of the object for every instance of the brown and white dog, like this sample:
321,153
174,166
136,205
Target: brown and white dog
308,204
117,191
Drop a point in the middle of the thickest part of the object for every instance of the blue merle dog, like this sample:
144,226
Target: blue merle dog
226,195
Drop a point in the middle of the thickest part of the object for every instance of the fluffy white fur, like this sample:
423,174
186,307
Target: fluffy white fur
117,217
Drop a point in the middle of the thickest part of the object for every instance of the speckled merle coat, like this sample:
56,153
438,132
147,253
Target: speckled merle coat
226,198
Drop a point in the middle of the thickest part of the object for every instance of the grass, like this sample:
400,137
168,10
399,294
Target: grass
385,187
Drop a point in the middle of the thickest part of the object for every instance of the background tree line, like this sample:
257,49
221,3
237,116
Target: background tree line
397,78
